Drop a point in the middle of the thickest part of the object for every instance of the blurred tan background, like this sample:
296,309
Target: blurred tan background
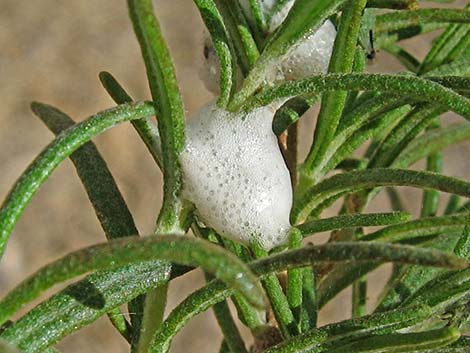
52,51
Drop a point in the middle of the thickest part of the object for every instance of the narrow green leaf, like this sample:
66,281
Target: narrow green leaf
349,164
430,142
351,122
402,342
352,221
258,16
146,129
231,333
359,297
370,131
400,19
341,278
83,303
459,67
120,323
416,88
420,227
246,49
290,112
342,61
309,300
119,252
359,65
452,205
349,182
462,249
398,139
169,108
58,150
443,47
408,279
104,194
396,201
224,347
380,323
430,200
358,252
442,292
386,38
168,103
220,38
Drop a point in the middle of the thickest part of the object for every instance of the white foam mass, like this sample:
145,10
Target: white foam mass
236,177
311,56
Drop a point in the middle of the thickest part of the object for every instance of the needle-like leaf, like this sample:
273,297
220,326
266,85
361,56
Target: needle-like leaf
220,38
58,150
183,250
170,111
83,303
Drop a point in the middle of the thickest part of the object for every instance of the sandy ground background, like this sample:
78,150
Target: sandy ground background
52,51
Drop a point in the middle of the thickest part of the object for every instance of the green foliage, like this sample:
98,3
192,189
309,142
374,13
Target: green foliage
423,307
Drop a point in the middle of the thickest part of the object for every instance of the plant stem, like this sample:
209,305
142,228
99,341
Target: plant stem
153,315
294,279
277,298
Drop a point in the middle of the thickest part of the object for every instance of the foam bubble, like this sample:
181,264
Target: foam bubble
236,177
312,55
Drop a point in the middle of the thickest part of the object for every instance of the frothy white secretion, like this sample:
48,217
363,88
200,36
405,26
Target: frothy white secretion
311,56
236,177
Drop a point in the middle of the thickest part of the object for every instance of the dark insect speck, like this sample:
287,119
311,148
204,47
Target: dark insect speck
372,53
206,51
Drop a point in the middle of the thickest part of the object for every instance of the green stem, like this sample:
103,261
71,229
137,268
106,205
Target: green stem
309,300
152,315
231,333
359,295
294,280
278,300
